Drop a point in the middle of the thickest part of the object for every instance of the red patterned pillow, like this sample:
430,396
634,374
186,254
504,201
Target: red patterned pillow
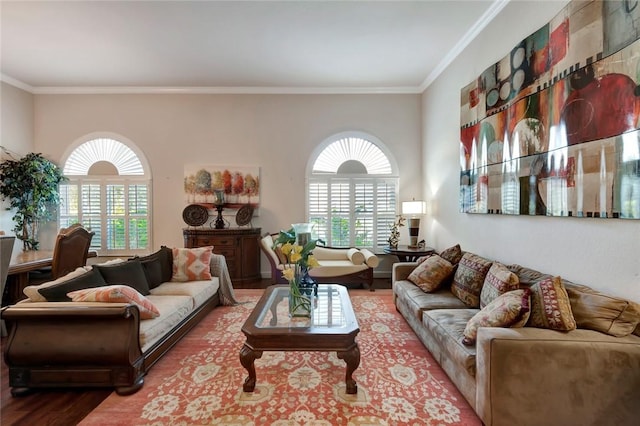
430,274
550,306
469,278
191,264
117,294
499,280
510,309
453,254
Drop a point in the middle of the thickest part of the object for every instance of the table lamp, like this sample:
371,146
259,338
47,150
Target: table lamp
414,209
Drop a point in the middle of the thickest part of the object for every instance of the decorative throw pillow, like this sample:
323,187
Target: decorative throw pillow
191,264
499,280
550,306
130,273
430,274
423,258
158,266
117,294
469,278
452,254
510,309
32,291
58,292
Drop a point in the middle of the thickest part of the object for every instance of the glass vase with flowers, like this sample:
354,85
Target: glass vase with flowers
297,246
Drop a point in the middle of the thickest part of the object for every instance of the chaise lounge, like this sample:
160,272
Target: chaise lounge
337,265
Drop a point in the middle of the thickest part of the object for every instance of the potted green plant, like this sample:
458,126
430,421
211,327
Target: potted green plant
31,186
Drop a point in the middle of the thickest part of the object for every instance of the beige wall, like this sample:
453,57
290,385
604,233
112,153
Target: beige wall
601,253
16,135
275,132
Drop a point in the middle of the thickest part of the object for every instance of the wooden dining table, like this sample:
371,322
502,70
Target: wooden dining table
23,262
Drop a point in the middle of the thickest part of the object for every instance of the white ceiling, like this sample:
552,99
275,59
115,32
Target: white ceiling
234,46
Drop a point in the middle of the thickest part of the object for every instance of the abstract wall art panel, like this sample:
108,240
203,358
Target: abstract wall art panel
553,127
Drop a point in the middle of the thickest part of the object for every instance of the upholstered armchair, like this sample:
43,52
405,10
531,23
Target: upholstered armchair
337,265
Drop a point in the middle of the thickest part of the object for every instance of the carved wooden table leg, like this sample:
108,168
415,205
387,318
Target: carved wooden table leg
352,358
247,357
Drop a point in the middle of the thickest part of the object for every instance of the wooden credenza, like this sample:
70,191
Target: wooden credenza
239,246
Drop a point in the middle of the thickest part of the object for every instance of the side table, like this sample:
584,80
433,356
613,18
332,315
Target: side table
408,254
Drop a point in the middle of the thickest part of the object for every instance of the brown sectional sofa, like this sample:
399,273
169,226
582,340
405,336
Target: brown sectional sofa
82,344
534,376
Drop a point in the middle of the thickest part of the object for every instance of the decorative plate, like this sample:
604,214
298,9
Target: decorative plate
244,215
195,215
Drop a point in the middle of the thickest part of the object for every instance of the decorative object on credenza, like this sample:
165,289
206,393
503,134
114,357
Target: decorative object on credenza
195,215
415,209
244,215
218,202
552,129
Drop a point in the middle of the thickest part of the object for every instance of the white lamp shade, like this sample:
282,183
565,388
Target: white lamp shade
414,207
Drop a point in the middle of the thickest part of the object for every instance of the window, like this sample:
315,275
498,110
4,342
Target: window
108,192
352,192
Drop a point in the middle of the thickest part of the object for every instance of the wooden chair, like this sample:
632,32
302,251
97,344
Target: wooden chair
70,252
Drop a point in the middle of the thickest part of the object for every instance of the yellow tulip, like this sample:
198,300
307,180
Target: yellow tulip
286,249
312,262
288,274
295,257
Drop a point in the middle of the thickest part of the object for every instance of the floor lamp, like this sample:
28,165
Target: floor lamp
415,209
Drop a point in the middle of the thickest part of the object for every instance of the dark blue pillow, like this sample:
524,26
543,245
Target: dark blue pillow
58,292
130,273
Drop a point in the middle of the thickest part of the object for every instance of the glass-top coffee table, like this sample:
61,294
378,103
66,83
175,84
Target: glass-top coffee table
332,327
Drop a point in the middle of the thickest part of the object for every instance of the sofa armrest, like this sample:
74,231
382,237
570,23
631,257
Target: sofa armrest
400,271
530,376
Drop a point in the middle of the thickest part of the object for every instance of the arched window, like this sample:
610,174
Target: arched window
108,191
352,192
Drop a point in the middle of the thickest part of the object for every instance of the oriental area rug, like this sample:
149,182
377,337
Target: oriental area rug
199,382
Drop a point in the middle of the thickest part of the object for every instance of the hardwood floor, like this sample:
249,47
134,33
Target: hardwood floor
62,407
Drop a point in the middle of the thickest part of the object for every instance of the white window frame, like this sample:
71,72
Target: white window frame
323,216
101,244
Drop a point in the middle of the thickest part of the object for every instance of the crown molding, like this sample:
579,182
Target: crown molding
486,18
127,90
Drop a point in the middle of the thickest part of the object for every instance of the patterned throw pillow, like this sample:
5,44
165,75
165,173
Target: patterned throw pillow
550,306
499,280
117,294
510,309
452,254
430,274
469,278
191,264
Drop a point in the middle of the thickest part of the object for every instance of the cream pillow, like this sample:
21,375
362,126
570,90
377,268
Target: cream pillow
32,291
355,256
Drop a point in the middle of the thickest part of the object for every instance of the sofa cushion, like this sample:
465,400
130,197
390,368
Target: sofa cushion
527,276
550,306
417,300
597,311
158,266
499,280
469,278
199,291
431,274
34,295
172,311
446,327
510,309
58,292
117,294
191,264
130,273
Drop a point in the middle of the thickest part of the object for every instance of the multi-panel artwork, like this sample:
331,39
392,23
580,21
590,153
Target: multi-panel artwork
552,128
